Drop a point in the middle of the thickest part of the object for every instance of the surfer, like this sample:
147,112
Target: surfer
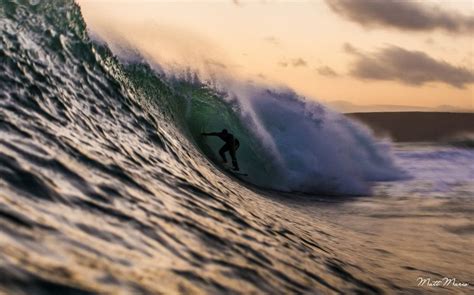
231,145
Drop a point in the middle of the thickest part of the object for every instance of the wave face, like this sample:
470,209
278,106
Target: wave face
301,145
106,185
289,143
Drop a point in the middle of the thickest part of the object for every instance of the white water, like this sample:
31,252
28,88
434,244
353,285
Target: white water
316,148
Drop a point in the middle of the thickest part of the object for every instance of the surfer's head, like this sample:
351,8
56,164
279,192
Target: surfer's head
224,131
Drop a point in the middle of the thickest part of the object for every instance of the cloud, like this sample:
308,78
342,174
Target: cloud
298,62
349,107
409,67
348,48
430,41
295,62
326,71
240,2
402,15
272,40
215,63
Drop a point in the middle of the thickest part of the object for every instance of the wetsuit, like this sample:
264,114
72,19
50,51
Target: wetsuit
231,145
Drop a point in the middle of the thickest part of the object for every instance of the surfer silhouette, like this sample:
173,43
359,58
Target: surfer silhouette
231,145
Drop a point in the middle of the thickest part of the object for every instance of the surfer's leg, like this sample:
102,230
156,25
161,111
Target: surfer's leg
234,159
222,151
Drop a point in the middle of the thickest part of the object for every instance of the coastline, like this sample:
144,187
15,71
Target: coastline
416,126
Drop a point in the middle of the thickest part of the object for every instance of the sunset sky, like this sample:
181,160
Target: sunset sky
342,52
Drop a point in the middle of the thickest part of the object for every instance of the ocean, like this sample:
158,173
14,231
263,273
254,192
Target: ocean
107,186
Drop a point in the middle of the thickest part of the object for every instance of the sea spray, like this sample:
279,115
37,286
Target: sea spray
288,142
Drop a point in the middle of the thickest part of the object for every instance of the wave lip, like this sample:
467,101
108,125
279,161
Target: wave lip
288,142
317,149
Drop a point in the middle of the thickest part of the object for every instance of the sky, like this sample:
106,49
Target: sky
351,54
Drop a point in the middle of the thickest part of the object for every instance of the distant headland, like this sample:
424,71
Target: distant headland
417,126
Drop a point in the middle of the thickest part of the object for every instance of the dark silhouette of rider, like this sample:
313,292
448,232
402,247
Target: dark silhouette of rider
231,145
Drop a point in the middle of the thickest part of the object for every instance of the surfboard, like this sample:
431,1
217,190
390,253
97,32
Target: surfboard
235,172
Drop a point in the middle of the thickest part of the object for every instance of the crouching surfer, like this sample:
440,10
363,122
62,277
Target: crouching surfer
231,145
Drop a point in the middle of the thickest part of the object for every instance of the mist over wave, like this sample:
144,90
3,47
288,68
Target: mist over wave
289,142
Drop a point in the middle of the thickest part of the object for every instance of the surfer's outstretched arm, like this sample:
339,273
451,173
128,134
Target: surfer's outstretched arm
211,133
